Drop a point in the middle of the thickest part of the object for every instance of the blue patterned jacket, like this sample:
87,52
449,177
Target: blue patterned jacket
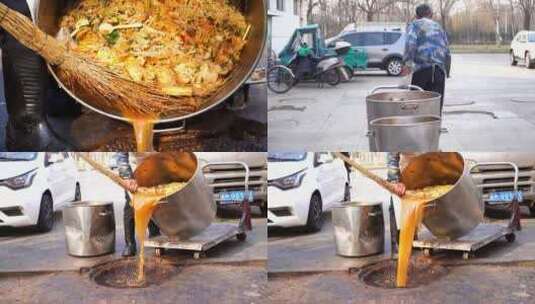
426,45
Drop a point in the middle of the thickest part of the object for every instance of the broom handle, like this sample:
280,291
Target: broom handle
114,177
29,35
383,183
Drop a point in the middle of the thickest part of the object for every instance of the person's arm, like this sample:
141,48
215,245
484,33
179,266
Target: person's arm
125,170
411,46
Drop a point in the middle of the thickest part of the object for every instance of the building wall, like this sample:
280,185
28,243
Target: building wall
282,23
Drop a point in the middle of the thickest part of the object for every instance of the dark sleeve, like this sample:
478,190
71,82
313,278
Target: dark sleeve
123,164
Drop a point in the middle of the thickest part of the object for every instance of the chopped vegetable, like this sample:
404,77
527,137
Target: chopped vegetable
186,48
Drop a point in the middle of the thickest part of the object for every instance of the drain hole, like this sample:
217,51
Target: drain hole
122,273
383,274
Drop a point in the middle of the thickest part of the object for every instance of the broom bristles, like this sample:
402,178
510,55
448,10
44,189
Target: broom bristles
109,89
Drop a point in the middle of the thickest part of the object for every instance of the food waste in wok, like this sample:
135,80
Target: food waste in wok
186,48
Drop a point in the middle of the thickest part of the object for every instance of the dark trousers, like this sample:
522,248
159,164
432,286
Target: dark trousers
431,79
129,223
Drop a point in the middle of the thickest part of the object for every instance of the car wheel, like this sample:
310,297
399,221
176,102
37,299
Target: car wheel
45,222
512,59
347,193
529,64
315,214
394,67
77,193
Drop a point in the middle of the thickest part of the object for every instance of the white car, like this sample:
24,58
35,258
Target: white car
34,185
523,49
301,186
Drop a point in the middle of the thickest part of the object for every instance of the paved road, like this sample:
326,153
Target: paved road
490,106
507,284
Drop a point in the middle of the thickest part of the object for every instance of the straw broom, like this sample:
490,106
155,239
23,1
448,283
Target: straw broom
109,88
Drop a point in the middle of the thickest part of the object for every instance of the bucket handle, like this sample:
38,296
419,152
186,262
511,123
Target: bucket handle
397,87
409,106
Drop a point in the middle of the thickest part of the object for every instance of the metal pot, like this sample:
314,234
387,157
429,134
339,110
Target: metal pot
401,103
187,212
455,213
255,13
89,228
359,229
405,133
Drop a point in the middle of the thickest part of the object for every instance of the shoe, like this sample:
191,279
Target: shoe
129,250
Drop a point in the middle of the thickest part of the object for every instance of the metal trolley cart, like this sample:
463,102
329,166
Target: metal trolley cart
216,233
484,233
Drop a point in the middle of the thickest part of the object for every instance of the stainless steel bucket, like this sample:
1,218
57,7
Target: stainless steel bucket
255,13
89,228
457,212
405,133
399,102
187,212
359,229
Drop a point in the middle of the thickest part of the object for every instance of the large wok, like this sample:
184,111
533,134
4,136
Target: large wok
255,12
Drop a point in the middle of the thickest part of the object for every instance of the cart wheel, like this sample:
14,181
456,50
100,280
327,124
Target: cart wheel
280,79
241,236
510,237
198,254
159,252
427,252
467,255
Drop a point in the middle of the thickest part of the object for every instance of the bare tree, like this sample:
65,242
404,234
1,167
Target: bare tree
527,7
374,7
444,8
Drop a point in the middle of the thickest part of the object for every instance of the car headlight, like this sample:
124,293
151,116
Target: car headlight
290,181
20,181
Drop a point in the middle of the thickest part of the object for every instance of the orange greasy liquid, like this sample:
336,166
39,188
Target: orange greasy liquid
144,201
144,135
412,209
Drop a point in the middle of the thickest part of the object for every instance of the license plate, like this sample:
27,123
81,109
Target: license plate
505,196
229,197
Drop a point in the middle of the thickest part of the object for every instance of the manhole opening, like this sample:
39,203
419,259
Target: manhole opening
383,274
123,273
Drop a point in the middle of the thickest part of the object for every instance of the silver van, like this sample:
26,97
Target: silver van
385,48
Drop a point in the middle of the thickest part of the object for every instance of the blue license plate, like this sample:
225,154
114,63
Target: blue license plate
505,196
229,197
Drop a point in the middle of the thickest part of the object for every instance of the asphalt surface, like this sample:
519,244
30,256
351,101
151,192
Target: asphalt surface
462,284
489,106
192,284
